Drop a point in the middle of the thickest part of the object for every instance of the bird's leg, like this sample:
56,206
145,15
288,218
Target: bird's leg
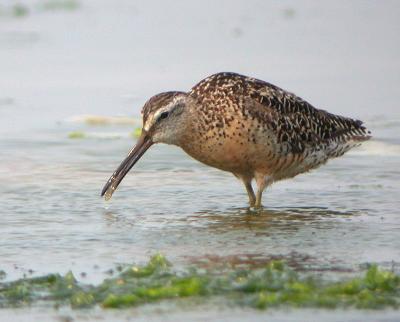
262,181
250,192
247,183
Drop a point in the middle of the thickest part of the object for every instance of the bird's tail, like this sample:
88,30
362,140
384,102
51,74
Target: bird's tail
350,138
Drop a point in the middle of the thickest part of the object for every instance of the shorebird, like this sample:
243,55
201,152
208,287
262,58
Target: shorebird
245,126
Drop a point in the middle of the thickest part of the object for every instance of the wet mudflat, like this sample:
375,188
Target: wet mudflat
330,224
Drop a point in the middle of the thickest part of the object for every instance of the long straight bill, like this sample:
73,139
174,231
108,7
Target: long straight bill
143,143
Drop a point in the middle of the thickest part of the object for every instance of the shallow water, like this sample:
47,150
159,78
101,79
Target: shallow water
331,220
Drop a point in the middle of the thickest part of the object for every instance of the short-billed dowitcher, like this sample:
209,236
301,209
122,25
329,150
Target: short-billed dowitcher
246,126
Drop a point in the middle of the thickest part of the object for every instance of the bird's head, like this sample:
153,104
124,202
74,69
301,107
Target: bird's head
162,123
163,115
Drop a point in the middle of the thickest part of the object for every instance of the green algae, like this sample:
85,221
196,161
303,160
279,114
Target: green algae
19,10
136,133
272,286
77,135
54,5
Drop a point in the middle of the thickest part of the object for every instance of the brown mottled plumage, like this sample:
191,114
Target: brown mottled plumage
246,126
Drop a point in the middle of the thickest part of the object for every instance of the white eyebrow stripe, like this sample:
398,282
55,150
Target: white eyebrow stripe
155,116
160,111
152,119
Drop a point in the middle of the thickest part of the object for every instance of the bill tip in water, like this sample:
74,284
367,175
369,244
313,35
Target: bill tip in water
108,194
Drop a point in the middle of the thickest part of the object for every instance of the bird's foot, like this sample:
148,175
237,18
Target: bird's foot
254,211
254,207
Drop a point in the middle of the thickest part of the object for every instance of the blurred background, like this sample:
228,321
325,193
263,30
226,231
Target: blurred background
74,75
66,57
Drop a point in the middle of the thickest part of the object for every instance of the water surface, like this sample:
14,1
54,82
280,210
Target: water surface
59,65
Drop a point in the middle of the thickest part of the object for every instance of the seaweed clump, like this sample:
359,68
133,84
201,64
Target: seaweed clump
272,286
77,135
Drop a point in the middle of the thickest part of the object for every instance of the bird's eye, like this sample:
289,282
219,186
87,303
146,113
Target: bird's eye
163,115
